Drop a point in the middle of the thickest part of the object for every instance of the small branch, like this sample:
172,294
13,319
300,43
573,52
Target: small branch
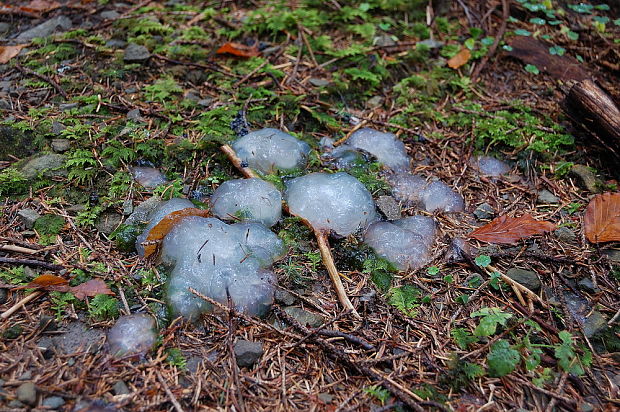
46,79
234,159
19,304
171,396
19,249
31,262
328,261
498,38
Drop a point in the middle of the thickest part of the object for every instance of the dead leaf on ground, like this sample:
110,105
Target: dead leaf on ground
159,232
90,288
53,283
602,218
459,59
238,49
509,230
8,52
40,6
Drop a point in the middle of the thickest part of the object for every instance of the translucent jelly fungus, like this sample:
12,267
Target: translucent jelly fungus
332,202
439,196
490,166
252,200
406,243
132,334
413,190
158,214
220,260
148,177
269,150
386,147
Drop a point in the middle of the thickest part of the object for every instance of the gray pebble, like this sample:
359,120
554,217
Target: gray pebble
247,352
27,393
53,402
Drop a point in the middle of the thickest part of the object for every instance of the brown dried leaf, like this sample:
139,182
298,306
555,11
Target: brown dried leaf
237,49
47,282
8,52
90,288
40,6
459,59
602,218
159,232
509,230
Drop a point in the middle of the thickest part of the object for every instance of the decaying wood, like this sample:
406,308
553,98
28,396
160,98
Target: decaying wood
589,106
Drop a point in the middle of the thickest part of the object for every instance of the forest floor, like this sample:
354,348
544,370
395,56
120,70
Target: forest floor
90,88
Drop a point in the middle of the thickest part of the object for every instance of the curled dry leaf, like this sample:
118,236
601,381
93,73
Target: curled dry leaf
509,230
602,218
159,232
40,6
51,283
459,59
239,50
8,52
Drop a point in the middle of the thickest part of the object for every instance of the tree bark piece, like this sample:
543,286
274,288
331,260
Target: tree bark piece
588,105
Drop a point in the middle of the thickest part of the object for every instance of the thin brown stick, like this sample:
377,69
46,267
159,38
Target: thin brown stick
31,262
234,159
171,396
18,249
48,80
19,304
328,261
498,38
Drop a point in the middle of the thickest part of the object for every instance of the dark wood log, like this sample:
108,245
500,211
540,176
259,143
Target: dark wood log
589,106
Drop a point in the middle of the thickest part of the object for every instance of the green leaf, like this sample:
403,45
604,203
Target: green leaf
491,317
538,20
557,50
530,68
405,299
483,261
502,359
432,271
572,35
564,353
522,32
462,337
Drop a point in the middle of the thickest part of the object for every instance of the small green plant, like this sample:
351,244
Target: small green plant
60,302
380,271
48,227
461,373
405,299
432,271
175,358
378,392
502,359
163,89
12,181
103,307
463,337
491,318
483,261
14,276
82,166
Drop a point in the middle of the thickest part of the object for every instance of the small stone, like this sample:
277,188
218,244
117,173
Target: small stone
47,324
30,272
585,407
547,198
67,106
385,40
304,317
53,402
587,285
283,297
389,207
45,29
26,376
28,217
135,115
431,43
248,353
141,212
79,337
108,222
45,345
127,207
205,102
134,53
613,255
4,296
374,102
116,44
60,145
57,127
318,82
12,332
15,404
594,324
120,388
526,278
49,165
484,211
4,27
192,95
27,393
325,397
109,15
587,178
564,234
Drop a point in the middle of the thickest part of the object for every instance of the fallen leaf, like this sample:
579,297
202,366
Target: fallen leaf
47,282
509,230
602,218
8,52
237,49
90,288
459,59
159,232
40,6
